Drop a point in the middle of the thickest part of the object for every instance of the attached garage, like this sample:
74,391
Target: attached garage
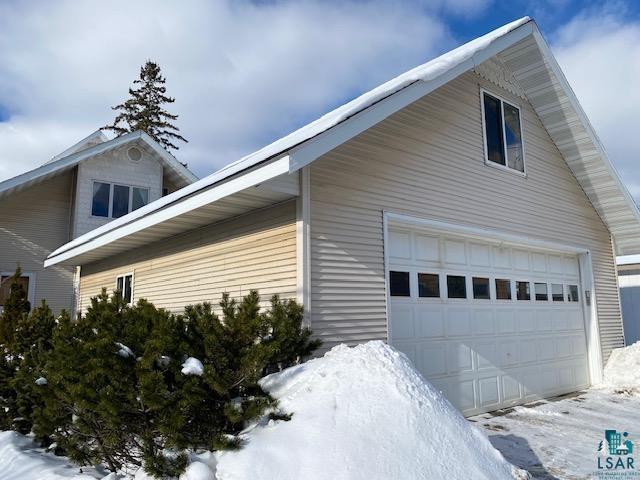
490,322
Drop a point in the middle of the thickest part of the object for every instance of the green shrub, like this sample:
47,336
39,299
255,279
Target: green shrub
115,388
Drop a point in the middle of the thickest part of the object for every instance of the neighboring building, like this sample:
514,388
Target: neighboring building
465,212
84,187
629,284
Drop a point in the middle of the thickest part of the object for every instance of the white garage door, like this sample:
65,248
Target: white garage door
490,325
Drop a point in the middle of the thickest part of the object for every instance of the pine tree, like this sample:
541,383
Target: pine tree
144,110
15,310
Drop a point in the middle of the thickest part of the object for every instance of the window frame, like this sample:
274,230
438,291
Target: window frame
488,162
31,292
123,276
111,197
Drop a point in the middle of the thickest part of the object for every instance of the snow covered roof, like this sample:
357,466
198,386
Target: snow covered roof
88,147
521,47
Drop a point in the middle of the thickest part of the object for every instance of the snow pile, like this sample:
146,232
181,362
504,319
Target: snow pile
192,366
20,459
623,368
41,381
361,413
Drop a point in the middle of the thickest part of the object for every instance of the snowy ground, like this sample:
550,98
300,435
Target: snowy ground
558,438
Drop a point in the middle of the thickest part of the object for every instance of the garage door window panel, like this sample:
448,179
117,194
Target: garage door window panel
541,291
523,290
428,285
481,288
572,293
456,286
557,292
399,284
503,289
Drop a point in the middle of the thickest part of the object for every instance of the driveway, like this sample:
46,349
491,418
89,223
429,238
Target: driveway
558,438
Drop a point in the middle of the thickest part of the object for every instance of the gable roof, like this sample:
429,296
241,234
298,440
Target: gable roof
521,48
88,147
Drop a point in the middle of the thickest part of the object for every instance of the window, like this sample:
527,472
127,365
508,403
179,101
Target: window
557,292
100,205
428,285
541,292
502,133
116,201
523,291
124,285
503,289
140,197
5,287
456,286
481,288
573,293
120,205
399,284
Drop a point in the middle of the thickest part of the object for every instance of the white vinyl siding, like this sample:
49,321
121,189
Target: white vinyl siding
427,160
255,251
33,223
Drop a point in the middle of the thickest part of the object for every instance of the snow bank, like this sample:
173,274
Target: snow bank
623,368
361,413
20,459
192,366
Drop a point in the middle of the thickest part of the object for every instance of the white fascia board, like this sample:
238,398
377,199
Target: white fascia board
555,68
313,148
230,187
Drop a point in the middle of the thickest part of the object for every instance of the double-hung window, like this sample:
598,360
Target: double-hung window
124,285
502,133
115,201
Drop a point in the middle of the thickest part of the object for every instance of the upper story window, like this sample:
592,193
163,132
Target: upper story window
114,201
502,133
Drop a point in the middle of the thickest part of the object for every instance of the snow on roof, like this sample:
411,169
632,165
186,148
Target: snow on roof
425,72
78,153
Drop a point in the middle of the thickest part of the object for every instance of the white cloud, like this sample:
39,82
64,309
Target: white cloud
599,51
243,74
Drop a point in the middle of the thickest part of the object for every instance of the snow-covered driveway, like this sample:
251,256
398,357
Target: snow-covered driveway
558,438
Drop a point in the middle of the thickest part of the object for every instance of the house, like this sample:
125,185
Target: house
465,212
629,284
84,187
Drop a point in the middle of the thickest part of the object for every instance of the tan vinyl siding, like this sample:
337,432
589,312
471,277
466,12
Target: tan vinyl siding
33,223
255,251
427,160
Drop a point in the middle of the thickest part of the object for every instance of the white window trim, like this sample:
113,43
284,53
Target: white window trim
111,186
504,135
31,293
123,275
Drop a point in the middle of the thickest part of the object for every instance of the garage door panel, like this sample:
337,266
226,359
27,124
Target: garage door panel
487,353
488,391
526,320
403,322
510,389
483,321
426,248
505,320
480,255
429,322
459,358
458,322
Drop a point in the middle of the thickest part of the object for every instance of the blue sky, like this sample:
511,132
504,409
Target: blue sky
245,73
